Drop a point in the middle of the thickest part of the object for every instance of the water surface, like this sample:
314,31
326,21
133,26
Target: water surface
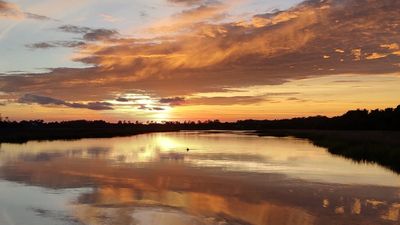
224,178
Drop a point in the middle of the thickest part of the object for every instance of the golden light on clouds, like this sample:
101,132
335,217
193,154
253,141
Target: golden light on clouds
192,59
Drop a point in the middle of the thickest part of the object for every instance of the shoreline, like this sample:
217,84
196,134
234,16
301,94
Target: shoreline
371,146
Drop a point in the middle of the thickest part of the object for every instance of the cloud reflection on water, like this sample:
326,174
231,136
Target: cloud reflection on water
148,179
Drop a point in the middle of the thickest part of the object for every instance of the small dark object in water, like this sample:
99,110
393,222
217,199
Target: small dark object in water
187,149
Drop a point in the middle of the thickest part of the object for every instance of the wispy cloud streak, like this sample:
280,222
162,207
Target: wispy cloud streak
44,100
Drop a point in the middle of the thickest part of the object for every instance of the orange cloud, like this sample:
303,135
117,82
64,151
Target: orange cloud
205,56
10,10
190,18
13,11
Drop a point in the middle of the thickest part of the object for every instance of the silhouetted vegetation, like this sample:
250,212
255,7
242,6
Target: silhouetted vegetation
361,135
39,130
382,147
387,119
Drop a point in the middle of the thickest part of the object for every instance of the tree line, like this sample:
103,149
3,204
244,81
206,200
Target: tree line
360,119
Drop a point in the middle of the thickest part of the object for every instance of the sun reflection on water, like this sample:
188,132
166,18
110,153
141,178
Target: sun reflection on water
225,178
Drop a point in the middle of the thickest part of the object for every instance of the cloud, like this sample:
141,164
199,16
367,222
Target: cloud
133,98
122,99
74,29
99,34
41,45
277,17
347,81
94,105
43,100
232,100
157,108
69,44
37,17
186,2
297,99
175,101
12,11
189,18
55,44
214,56
88,33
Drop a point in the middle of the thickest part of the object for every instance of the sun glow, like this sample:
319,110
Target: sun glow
166,143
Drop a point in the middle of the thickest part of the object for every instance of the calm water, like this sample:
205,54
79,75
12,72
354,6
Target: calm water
225,178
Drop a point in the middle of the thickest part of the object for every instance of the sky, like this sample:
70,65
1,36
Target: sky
158,60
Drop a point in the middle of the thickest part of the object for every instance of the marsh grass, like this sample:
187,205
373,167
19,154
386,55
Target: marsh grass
381,147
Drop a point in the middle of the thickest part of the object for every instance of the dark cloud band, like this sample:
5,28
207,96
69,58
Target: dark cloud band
44,100
89,34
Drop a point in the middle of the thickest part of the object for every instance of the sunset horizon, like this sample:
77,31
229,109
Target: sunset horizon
166,60
271,117
199,112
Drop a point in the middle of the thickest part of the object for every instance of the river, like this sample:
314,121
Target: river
194,177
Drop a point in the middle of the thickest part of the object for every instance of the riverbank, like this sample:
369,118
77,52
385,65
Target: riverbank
381,147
